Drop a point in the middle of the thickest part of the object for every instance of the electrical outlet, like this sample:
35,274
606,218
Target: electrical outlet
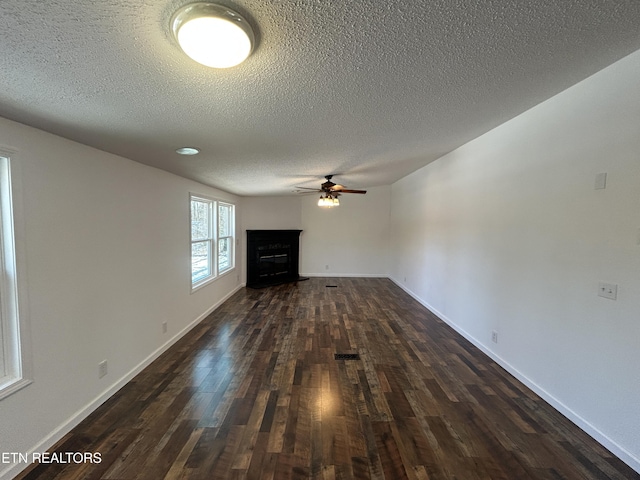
608,290
326,267
494,336
102,369
164,327
601,181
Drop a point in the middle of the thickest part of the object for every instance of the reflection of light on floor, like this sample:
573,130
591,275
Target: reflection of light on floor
204,359
222,337
325,402
224,365
211,360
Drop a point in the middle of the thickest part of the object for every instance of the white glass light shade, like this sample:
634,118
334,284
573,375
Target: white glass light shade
328,201
213,35
188,151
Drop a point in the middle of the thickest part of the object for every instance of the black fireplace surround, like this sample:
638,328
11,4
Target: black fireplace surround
272,257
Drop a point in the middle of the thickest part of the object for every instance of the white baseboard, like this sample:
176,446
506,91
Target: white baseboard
583,424
344,275
64,428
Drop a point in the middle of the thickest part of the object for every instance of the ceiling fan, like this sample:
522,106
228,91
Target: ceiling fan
329,192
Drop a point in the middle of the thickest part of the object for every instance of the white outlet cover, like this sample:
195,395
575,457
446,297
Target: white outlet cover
102,369
601,181
608,290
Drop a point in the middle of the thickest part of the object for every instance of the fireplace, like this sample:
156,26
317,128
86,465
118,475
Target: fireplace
272,257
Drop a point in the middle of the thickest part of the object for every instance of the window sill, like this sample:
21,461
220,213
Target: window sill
204,283
9,387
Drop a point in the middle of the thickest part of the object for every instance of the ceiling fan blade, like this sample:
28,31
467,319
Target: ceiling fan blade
352,191
307,188
331,189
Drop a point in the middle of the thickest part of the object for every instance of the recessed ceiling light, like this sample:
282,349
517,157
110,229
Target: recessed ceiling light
188,151
212,35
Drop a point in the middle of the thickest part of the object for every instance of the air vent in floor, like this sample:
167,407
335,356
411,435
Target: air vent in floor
346,356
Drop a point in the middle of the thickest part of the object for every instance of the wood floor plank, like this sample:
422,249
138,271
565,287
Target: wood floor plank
254,392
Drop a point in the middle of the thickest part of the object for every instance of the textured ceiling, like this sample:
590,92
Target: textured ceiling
369,90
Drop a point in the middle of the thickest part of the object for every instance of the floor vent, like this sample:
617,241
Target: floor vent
332,286
346,356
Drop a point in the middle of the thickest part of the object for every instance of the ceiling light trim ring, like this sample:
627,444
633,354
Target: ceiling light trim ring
214,12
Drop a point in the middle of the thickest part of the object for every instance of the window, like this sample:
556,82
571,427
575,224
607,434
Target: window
202,236
226,228
12,376
212,239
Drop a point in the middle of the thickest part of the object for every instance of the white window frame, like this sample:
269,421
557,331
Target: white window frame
15,369
212,239
231,237
209,240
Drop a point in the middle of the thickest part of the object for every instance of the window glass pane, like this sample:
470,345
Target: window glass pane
12,377
200,261
199,220
224,254
224,220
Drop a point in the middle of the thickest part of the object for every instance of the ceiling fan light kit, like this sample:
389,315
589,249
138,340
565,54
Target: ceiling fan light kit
328,201
212,35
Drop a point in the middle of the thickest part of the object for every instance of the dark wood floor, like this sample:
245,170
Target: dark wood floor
254,392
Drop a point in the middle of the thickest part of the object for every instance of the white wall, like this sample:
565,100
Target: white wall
349,240
106,244
272,213
352,239
507,233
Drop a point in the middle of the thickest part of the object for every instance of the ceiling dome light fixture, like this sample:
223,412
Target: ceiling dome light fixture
188,151
212,35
